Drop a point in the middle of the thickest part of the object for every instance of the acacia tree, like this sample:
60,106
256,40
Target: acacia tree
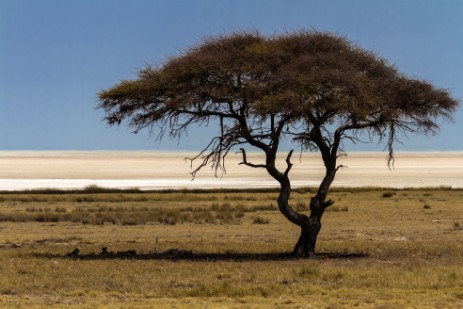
314,88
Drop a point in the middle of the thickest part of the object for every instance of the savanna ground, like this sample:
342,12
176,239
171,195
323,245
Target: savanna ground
379,248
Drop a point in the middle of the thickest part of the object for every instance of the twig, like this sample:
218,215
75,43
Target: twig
245,161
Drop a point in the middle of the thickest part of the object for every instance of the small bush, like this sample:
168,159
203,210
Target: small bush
87,199
223,207
388,194
93,189
260,220
337,209
270,207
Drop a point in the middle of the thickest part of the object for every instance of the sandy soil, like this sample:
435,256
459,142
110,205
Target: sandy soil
159,170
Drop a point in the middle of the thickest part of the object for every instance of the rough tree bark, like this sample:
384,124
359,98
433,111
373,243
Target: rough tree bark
311,225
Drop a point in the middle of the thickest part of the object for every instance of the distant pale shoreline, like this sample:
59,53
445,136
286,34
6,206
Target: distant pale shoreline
151,170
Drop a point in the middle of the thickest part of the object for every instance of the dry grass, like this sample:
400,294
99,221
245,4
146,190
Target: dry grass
379,249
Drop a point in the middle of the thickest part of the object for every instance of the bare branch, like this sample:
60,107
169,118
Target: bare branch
205,160
327,204
245,161
288,162
390,142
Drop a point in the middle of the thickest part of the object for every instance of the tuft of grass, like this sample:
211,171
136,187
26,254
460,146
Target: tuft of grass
388,194
308,271
101,215
337,209
260,220
300,206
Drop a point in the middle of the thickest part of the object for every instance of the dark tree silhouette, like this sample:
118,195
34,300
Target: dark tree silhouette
314,88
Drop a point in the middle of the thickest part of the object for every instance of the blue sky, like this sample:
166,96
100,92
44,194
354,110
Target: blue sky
56,55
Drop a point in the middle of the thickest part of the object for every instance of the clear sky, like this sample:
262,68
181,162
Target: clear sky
56,55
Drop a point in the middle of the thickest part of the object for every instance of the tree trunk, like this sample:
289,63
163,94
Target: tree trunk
310,225
305,246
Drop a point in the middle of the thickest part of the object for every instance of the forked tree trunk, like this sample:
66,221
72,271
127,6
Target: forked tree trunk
310,227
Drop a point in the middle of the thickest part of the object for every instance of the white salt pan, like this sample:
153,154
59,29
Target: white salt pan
169,170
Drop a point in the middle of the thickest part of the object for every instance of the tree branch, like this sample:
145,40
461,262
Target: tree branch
327,204
288,163
245,161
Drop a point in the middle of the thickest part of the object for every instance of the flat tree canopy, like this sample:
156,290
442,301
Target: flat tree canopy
315,88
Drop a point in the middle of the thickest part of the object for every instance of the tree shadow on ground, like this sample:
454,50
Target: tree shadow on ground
187,255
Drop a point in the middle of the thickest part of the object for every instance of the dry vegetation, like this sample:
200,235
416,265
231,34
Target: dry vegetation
379,249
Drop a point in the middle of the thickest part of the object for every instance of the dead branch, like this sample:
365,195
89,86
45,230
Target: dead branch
245,161
328,204
288,162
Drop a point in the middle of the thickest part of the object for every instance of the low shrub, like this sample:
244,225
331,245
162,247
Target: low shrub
100,215
260,220
388,194
337,209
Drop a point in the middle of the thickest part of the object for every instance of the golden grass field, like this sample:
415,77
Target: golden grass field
379,248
